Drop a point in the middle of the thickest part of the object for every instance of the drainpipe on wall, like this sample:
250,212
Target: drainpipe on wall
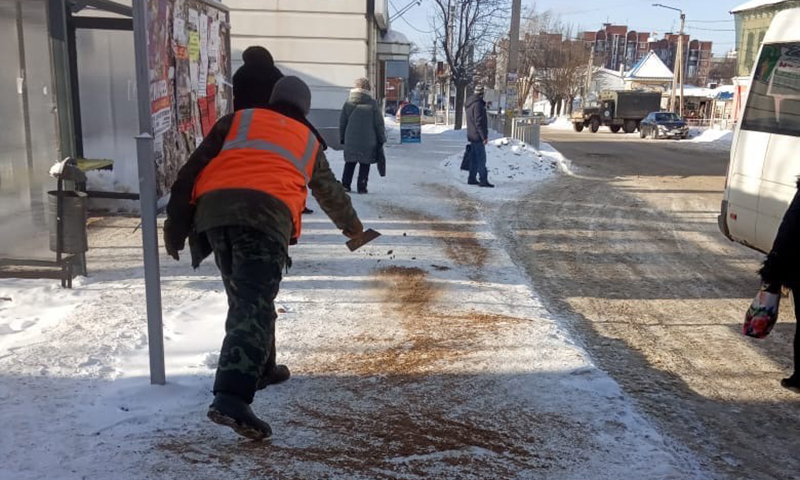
370,66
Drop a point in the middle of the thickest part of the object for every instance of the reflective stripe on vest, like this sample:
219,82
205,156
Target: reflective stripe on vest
268,152
241,141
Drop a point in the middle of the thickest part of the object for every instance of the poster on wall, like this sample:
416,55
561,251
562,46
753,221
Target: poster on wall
188,52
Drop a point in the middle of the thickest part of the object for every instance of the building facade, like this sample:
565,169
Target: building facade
752,21
327,43
617,47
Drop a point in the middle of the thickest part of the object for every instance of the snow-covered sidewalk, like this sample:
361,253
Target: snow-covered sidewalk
426,354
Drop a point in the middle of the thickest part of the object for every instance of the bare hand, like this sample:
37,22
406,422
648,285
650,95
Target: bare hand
486,142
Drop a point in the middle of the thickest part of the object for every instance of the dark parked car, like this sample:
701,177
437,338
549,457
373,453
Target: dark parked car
663,124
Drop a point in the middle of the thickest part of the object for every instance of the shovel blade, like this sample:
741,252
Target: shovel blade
364,239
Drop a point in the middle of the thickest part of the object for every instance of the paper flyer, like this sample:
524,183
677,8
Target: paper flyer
213,45
162,121
203,78
158,148
179,31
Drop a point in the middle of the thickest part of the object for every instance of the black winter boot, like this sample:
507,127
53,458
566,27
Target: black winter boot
278,374
792,383
232,411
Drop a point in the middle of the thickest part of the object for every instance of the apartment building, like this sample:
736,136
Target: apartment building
620,48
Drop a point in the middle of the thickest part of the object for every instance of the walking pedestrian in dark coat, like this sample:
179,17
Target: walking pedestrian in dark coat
782,269
478,136
362,132
248,211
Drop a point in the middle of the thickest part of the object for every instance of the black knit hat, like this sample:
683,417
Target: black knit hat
253,82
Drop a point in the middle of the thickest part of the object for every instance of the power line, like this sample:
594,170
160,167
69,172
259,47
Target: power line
415,28
712,29
710,21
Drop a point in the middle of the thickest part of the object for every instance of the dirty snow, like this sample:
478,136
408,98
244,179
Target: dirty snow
561,123
426,354
514,167
712,138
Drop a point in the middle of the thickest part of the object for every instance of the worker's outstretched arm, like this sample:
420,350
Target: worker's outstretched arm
331,196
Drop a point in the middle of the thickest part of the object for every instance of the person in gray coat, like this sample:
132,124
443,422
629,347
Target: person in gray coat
362,132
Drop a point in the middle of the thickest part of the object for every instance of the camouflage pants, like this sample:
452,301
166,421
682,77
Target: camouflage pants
251,264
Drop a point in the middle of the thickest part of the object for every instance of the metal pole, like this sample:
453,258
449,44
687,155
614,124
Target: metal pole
674,83
589,73
513,53
148,198
680,46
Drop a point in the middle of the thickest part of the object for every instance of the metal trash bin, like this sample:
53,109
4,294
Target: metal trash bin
74,205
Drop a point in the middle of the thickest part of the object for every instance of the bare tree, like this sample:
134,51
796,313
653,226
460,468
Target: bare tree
551,62
533,51
722,71
470,27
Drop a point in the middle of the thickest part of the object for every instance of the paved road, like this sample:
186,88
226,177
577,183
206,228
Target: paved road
628,249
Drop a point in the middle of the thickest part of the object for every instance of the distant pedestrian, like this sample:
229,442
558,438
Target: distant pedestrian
241,195
478,136
362,132
782,269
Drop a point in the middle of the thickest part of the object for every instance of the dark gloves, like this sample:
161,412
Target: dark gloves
174,240
355,230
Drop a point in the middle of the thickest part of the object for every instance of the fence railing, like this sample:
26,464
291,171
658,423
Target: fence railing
524,129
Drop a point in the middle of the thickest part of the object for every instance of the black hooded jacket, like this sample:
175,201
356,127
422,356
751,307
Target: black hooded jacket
477,120
782,266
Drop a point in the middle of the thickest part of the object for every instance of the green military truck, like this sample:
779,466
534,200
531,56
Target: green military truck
618,110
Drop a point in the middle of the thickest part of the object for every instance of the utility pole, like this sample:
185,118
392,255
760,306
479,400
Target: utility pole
589,73
682,64
513,56
424,83
677,74
450,30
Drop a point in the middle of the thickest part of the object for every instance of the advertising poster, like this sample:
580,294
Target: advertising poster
189,69
410,128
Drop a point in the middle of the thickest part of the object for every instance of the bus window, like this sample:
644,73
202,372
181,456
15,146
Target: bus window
773,105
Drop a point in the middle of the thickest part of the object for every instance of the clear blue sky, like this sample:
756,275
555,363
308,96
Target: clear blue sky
709,15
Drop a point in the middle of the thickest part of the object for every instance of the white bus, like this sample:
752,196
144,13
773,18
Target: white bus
765,156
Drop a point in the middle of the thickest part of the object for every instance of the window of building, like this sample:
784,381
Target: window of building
773,105
749,51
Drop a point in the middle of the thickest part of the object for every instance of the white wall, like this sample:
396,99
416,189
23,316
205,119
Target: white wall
324,42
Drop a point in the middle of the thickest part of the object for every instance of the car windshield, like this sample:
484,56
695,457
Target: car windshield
667,117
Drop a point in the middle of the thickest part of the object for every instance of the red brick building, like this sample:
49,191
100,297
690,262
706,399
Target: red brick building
620,48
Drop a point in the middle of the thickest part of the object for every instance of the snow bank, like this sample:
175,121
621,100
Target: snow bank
712,137
561,123
28,308
513,167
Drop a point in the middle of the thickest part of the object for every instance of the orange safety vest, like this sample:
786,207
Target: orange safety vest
268,152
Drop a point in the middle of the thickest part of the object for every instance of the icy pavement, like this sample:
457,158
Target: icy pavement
426,354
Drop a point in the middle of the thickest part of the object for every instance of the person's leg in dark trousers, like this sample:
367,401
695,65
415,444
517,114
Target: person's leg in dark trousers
473,164
796,294
251,264
479,163
363,177
347,176
793,382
